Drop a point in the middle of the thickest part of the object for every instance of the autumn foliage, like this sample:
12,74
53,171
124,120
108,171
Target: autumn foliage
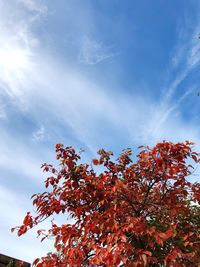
125,214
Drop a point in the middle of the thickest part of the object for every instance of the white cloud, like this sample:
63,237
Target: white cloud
70,99
17,46
13,208
39,135
2,110
185,60
193,58
34,5
20,158
93,52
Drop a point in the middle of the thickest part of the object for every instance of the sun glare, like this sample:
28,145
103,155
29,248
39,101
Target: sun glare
14,59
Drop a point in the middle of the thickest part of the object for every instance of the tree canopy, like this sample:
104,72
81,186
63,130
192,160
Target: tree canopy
125,214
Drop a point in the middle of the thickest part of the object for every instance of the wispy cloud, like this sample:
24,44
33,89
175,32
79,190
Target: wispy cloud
93,52
17,45
34,5
13,208
185,60
67,104
39,135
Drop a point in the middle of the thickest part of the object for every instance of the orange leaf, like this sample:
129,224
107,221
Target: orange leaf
95,161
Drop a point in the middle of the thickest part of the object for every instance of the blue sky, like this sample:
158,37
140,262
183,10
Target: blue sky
90,74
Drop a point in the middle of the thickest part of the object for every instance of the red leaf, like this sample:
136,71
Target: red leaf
35,262
95,161
149,253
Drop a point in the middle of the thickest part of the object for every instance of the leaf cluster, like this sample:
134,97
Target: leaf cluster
130,214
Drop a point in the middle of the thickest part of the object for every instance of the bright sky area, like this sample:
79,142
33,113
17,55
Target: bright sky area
89,74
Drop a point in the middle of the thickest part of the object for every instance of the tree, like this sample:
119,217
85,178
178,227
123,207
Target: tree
125,214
